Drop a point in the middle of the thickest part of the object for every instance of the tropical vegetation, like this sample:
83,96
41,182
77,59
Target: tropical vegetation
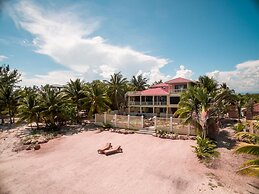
250,167
56,106
205,149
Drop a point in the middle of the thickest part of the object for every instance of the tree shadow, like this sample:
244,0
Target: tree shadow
224,140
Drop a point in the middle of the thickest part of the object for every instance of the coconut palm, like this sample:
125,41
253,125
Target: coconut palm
189,107
224,99
209,83
73,92
250,167
28,108
9,77
117,88
239,102
199,105
50,101
139,82
96,98
157,82
7,97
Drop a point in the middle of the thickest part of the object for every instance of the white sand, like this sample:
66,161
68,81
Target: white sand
147,165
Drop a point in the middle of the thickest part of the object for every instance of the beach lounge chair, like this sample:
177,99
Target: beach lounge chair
113,151
106,147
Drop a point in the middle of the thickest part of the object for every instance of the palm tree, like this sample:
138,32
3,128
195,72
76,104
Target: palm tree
157,82
239,102
28,108
209,83
96,98
139,83
189,107
7,96
199,104
117,88
250,167
51,101
9,77
73,92
224,99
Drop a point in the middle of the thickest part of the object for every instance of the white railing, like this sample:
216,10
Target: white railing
173,125
177,90
146,103
134,103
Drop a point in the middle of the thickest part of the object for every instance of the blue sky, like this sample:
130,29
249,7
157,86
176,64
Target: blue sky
53,41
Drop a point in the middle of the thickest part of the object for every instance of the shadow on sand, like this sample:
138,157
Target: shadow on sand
224,140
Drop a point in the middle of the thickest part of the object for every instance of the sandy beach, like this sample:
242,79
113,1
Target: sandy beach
71,164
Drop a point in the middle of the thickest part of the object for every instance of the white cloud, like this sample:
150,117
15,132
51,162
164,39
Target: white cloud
2,58
68,41
53,77
245,78
183,72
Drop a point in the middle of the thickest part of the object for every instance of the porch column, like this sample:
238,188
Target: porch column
140,102
128,104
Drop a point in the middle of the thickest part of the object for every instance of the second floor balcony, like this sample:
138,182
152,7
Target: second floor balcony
177,91
145,103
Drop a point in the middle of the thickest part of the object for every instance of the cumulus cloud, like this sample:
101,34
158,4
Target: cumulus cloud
183,72
53,77
244,78
69,41
2,58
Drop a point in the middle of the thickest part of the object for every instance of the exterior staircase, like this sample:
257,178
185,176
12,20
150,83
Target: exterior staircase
147,130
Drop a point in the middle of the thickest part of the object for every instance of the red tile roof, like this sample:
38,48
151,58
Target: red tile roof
178,80
159,85
154,92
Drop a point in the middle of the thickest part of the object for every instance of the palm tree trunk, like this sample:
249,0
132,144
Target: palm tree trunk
9,111
116,99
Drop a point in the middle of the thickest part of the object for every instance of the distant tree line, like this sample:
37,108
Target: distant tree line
53,106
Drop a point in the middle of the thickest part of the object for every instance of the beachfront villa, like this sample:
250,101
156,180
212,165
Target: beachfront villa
159,100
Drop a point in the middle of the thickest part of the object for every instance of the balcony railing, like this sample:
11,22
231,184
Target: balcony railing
160,103
146,103
134,103
178,90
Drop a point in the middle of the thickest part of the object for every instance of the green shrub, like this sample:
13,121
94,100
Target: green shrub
239,127
247,137
205,148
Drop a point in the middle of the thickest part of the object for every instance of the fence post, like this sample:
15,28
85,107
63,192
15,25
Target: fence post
115,120
142,121
171,124
128,121
95,119
105,118
189,129
155,122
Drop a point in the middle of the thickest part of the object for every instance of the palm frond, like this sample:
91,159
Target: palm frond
248,149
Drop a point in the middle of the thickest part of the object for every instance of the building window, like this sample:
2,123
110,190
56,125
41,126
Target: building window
180,86
174,100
